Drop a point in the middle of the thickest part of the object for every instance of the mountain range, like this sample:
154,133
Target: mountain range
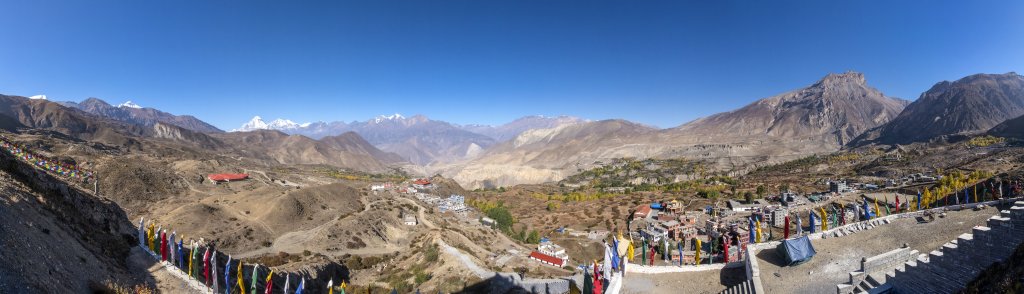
346,150
134,114
816,119
838,111
971,105
417,139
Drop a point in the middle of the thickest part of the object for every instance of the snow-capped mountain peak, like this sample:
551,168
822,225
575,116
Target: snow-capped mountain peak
279,124
129,104
38,97
257,123
381,118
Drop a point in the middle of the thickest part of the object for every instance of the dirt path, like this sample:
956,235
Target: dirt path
466,260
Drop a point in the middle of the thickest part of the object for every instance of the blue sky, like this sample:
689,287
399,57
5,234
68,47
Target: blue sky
656,62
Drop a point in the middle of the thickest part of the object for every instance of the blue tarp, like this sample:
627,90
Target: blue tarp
655,205
796,251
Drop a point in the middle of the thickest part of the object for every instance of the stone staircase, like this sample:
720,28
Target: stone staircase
871,278
958,262
747,287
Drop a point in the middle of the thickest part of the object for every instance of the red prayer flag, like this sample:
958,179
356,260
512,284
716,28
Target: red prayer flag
786,229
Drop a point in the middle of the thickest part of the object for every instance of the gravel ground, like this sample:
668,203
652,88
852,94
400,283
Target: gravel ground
139,261
711,281
838,256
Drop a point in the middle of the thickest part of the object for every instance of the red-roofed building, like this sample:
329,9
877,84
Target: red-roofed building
548,259
422,184
642,211
219,178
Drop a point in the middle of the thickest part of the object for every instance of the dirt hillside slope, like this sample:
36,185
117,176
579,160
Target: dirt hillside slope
55,239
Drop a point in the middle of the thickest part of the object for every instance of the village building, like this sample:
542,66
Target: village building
550,254
839,187
672,228
615,189
690,218
686,232
642,211
422,184
777,217
409,218
454,203
224,178
547,259
380,187
674,207
654,232
597,234
740,207
488,222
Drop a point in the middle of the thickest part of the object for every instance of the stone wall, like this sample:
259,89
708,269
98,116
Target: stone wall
960,261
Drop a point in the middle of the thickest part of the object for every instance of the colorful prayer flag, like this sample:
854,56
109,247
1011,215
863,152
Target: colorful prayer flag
227,276
241,282
824,224
877,211
255,279
270,282
287,280
696,257
786,228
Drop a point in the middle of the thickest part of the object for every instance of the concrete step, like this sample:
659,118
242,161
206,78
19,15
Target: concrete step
935,258
842,288
886,288
1005,213
874,281
942,282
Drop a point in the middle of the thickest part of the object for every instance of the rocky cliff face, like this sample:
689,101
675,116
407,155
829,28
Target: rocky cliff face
971,105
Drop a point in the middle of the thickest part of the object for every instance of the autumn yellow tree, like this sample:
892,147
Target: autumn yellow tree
927,198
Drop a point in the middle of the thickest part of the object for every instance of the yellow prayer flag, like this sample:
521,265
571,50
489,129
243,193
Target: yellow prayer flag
877,211
241,283
696,258
758,229
824,220
975,193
